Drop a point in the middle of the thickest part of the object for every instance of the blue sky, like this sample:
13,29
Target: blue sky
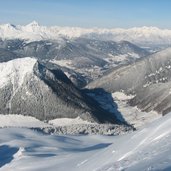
88,13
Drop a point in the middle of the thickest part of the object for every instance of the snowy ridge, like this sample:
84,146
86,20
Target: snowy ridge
21,121
15,71
31,122
33,31
62,126
68,121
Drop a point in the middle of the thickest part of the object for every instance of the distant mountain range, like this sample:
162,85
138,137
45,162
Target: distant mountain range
144,36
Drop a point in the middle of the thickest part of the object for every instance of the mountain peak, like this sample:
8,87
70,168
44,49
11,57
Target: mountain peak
33,24
9,26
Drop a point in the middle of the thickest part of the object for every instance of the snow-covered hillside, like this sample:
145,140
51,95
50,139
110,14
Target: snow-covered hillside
118,103
62,126
15,71
148,149
148,79
21,121
82,59
29,87
33,31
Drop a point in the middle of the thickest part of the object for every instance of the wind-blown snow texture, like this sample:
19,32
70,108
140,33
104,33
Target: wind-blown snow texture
148,149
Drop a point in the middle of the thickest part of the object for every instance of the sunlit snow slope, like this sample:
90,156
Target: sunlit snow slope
147,149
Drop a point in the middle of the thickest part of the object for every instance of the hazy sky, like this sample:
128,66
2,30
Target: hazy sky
88,13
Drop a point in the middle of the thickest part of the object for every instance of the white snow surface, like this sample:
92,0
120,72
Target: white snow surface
132,114
34,31
144,150
61,126
14,120
67,121
14,71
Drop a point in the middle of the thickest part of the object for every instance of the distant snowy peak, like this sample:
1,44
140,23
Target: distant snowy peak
32,27
33,31
8,27
33,24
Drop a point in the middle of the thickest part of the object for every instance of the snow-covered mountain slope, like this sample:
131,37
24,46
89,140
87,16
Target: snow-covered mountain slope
95,52
28,87
33,31
149,80
146,149
80,56
133,115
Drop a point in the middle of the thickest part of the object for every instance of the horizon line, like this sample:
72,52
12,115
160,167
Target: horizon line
93,27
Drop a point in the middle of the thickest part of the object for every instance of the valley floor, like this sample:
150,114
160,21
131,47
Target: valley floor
132,114
146,149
